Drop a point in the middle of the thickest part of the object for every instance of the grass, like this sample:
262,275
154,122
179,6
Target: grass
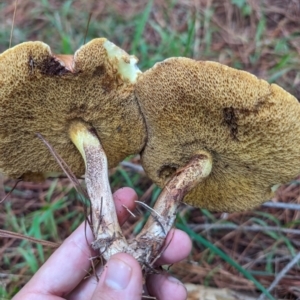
199,239
260,37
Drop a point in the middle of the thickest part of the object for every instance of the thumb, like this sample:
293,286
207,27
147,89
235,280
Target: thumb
121,279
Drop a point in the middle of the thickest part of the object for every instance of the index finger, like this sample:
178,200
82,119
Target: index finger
67,266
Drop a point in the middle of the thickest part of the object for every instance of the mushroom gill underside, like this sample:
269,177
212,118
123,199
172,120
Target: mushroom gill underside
209,135
250,128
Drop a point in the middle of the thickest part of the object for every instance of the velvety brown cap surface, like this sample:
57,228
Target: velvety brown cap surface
38,94
251,129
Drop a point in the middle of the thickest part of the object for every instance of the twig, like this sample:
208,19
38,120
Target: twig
129,211
74,180
207,227
9,234
2,189
87,27
135,167
156,215
148,192
281,274
282,205
13,276
10,192
148,208
12,26
163,249
64,166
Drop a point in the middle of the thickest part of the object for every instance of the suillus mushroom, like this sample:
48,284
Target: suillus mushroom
209,135
243,132
71,101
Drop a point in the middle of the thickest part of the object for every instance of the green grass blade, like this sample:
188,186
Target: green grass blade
190,37
51,190
199,239
126,177
261,27
30,259
140,26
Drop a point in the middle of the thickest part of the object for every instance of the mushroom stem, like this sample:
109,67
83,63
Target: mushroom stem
147,245
109,238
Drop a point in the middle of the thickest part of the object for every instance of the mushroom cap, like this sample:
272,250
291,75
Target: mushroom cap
43,93
251,129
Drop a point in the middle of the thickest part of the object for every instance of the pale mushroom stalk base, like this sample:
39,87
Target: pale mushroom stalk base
147,246
109,238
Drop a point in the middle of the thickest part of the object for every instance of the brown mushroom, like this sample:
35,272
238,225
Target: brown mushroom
86,98
249,128
41,93
217,138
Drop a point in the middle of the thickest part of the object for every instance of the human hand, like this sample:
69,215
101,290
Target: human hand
62,276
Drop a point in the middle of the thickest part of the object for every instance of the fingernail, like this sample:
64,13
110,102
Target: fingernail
174,280
118,274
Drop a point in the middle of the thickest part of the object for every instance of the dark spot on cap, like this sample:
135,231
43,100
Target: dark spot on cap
230,119
167,170
52,67
99,71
